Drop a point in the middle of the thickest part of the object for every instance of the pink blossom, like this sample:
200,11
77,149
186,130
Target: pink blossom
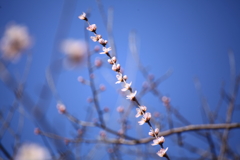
146,118
83,16
140,111
92,27
96,38
162,152
158,141
151,133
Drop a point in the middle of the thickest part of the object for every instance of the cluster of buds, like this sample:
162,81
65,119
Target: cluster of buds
141,110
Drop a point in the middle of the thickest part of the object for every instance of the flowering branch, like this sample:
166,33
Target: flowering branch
146,116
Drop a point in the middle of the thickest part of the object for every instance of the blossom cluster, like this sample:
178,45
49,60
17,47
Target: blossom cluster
141,110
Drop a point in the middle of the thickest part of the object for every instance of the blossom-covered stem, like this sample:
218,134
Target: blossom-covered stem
116,67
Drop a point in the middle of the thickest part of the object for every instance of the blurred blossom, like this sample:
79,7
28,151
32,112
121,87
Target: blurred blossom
98,62
66,141
102,87
120,109
75,51
96,48
166,100
106,109
131,96
15,40
37,131
102,134
32,152
151,77
81,79
89,100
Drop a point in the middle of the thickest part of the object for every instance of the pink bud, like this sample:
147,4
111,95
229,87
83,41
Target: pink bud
61,108
98,62
96,48
102,87
106,109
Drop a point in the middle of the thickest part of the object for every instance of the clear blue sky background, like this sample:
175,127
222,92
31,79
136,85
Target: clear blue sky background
192,38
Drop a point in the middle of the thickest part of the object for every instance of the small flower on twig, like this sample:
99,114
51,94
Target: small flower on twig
106,50
162,152
159,140
116,67
83,17
96,38
120,78
146,117
151,133
92,27
61,108
102,41
140,111
131,96
127,86
32,151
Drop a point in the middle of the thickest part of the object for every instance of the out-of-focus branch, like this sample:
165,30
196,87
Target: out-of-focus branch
146,140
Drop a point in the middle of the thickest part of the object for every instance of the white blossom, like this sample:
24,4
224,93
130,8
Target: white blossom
146,117
158,141
162,152
140,111
106,50
92,27
156,131
131,96
83,16
127,86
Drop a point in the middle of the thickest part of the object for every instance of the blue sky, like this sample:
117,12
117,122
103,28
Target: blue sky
190,38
